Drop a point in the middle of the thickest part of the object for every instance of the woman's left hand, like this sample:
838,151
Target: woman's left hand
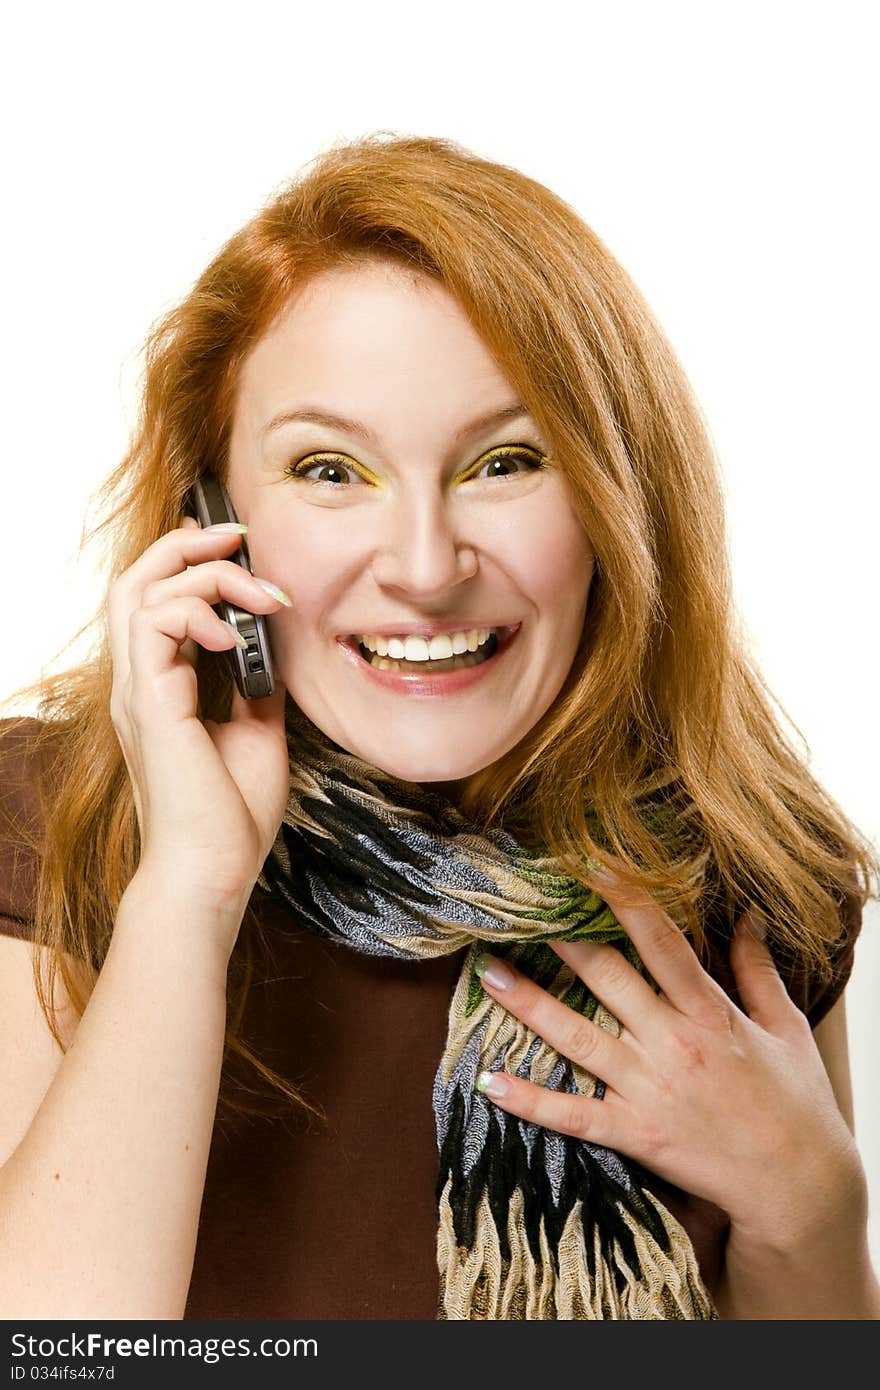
732,1106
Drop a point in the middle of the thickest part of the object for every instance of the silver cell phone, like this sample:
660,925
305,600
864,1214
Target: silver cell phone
209,502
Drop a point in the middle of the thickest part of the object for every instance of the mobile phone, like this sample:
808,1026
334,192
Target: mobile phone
209,502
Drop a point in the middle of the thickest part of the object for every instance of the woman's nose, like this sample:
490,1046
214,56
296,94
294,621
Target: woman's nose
423,552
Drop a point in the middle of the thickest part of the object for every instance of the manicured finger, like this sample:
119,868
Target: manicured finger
762,993
584,1117
662,947
572,1035
618,985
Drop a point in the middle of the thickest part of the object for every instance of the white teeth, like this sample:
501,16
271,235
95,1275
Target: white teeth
453,663
438,648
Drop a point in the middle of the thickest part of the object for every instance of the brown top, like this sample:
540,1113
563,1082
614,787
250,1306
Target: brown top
338,1220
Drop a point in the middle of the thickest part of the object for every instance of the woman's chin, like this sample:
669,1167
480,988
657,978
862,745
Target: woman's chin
417,763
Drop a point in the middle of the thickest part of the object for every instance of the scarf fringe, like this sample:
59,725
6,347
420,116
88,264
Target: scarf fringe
477,1284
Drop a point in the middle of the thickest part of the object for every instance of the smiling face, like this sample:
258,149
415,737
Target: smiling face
425,527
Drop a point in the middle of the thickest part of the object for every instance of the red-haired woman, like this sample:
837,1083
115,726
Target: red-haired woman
511,891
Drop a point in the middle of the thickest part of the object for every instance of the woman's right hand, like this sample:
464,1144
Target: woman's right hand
209,796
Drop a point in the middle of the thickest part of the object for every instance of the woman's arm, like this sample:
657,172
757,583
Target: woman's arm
100,1199
829,1277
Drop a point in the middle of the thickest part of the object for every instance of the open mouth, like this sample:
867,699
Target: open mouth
495,640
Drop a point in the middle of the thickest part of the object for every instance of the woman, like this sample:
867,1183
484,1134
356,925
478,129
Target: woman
518,805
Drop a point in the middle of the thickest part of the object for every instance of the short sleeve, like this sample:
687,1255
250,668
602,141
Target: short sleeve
814,996
819,998
19,818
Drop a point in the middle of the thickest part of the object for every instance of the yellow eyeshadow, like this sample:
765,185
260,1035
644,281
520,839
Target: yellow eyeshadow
305,465
329,459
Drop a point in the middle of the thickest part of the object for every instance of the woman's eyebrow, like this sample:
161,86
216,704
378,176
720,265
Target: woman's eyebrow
315,415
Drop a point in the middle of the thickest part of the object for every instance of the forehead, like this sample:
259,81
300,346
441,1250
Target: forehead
357,301
368,335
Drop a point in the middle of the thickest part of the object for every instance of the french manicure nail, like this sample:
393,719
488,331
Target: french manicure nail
758,922
240,641
274,591
598,871
493,972
492,1084
227,526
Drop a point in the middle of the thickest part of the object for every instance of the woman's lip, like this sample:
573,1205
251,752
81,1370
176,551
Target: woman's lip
425,683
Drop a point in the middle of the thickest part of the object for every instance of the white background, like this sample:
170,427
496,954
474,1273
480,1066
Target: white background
725,154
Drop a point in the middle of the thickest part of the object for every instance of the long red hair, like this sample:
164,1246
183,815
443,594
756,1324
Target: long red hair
663,694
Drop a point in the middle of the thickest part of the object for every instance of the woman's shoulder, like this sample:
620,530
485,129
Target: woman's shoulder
22,745
813,994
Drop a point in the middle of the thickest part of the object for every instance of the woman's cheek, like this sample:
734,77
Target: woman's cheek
547,552
309,557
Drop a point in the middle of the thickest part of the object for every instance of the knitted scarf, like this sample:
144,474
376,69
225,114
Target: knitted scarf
533,1223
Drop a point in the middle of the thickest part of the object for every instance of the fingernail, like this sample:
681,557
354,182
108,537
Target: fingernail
758,923
492,972
274,591
236,634
492,1084
227,526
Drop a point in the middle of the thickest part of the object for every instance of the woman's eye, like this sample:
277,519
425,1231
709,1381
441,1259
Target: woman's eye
503,462
327,463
